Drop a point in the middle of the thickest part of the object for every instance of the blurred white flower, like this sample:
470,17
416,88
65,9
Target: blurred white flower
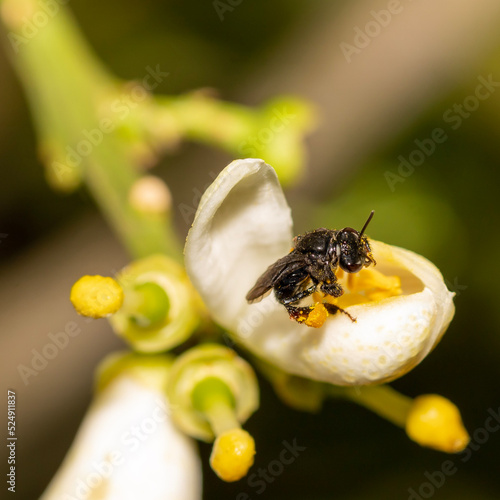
243,224
127,448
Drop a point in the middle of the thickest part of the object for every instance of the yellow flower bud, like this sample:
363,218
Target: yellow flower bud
232,454
150,194
96,296
435,421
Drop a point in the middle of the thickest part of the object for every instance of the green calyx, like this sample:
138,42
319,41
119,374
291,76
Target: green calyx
211,390
300,393
161,308
214,400
152,305
150,370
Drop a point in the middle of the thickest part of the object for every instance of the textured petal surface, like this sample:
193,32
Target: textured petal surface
127,448
390,337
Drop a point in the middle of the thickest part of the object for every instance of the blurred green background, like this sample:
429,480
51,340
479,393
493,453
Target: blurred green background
373,107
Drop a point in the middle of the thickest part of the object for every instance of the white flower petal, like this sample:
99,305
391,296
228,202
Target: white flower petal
242,225
241,228
128,448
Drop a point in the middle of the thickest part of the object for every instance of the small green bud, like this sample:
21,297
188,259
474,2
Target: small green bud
211,390
161,309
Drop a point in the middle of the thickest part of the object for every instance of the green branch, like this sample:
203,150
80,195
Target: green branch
92,127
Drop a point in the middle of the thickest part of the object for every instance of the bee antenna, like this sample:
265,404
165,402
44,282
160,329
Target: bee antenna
366,223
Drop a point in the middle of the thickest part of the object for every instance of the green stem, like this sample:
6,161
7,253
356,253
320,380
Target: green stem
70,94
91,127
148,304
230,124
381,399
214,399
221,418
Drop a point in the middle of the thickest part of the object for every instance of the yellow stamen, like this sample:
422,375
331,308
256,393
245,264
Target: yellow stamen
369,285
317,316
232,454
372,281
96,296
434,421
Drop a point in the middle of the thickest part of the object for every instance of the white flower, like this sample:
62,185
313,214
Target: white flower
243,224
127,448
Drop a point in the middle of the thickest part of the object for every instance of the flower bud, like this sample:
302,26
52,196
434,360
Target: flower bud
161,309
395,315
212,390
150,194
435,421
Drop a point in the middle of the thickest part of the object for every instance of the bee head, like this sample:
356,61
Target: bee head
353,249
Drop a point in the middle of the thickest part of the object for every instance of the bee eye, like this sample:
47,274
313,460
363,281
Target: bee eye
351,267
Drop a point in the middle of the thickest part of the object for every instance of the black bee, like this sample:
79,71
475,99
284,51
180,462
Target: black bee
311,266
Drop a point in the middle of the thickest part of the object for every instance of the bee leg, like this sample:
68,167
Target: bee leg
299,314
283,299
333,288
332,309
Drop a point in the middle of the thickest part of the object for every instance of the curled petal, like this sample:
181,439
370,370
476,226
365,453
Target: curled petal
243,223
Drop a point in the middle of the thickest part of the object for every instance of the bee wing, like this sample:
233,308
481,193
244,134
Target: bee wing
257,293
273,274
